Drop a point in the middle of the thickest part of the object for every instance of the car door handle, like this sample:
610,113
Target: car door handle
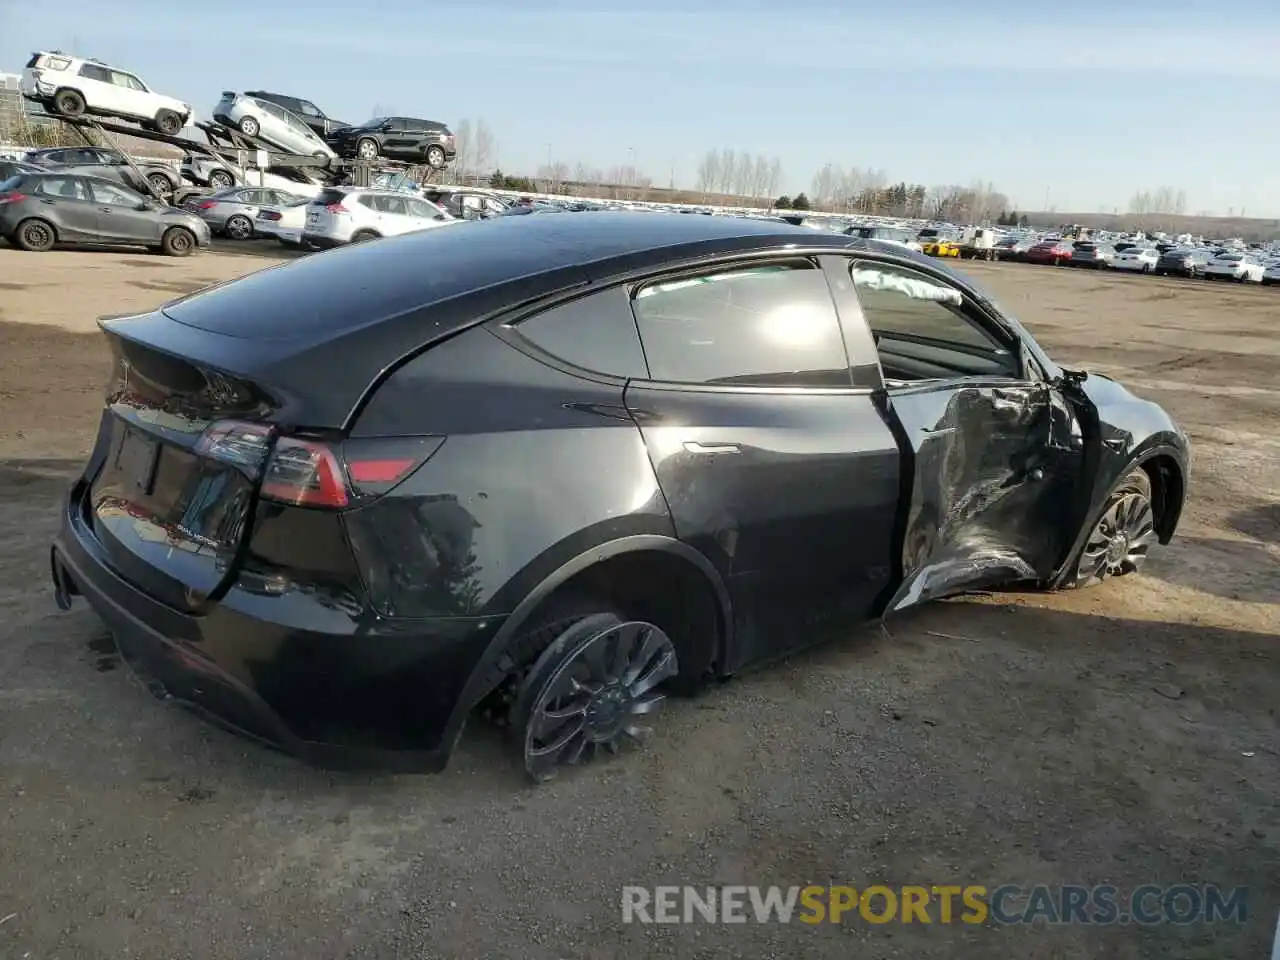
105,209
694,446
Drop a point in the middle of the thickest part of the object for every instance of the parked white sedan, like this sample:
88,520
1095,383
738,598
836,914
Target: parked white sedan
1272,273
1136,259
1235,266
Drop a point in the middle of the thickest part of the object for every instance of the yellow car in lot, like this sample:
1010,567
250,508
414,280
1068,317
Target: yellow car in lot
941,248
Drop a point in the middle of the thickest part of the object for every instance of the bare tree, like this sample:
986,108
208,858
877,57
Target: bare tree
553,176
486,148
775,177
464,143
708,173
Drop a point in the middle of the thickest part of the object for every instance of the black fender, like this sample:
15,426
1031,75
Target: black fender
480,683
1117,470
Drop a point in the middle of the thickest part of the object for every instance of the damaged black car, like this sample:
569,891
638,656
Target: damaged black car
562,467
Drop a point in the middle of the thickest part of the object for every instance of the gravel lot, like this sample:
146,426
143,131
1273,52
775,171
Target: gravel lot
1126,734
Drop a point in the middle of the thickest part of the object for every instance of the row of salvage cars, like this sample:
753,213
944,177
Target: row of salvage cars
364,529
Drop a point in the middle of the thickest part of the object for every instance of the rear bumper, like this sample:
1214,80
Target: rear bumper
318,241
264,679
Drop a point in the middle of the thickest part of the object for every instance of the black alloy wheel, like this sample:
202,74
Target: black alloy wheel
589,691
1122,536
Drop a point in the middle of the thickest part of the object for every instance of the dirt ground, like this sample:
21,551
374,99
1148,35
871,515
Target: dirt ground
1126,734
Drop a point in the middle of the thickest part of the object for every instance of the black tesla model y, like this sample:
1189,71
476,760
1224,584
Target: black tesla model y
564,466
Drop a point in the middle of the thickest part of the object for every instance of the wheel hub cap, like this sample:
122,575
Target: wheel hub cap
1117,550
1120,540
605,711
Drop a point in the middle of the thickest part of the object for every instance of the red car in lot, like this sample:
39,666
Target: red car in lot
1056,252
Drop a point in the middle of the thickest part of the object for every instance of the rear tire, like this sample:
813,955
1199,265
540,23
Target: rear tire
162,185
362,236
35,235
435,157
367,149
178,242
238,227
249,126
590,691
168,123
69,103
221,180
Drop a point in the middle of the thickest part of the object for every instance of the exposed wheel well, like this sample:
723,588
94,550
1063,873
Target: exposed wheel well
1167,489
667,591
652,585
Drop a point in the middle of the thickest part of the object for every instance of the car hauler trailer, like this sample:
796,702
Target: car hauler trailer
233,148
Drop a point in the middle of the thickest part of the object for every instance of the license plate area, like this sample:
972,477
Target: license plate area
136,460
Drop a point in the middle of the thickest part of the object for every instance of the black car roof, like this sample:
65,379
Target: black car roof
321,330
361,285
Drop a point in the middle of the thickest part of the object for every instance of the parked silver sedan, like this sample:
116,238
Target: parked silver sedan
231,213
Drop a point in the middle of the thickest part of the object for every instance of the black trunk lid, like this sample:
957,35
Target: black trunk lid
171,519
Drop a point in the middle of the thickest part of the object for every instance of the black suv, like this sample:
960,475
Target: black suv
163,178
577,463
397,138
305,110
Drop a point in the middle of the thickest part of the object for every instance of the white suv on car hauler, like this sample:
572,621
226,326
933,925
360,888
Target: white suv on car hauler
75,86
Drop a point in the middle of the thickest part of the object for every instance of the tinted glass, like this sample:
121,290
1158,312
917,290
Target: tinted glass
901,302
69,188
93,72
772,325
308,109
393,205
596,333
10,184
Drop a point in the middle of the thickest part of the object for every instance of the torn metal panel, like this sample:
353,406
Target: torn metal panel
994,472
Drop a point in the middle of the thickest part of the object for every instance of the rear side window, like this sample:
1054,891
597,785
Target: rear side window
773,325
596,332
70,188
93,72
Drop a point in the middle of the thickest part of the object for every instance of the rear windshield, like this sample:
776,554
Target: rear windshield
10,184
330,195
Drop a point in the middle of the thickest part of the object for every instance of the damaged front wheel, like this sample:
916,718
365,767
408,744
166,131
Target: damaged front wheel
590,691
1123,534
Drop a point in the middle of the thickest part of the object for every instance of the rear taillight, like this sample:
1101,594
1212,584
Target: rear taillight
313,473
12,197
206,204
305,473
335,208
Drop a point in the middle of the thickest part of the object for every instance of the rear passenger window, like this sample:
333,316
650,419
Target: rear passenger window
595,332
773,325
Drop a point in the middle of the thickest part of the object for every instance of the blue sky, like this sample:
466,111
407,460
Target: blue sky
1083,102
